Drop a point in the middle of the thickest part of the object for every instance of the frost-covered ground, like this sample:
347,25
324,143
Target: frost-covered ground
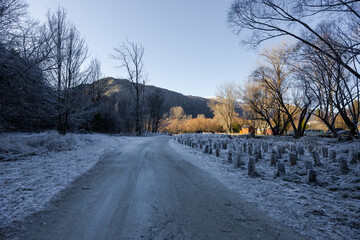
36,167
326,209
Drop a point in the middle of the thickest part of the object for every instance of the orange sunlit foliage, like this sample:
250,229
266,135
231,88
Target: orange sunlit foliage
198,124
188,124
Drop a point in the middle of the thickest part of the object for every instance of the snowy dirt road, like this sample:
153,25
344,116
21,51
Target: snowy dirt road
144,190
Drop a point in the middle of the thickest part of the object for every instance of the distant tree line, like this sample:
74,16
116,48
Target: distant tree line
317,75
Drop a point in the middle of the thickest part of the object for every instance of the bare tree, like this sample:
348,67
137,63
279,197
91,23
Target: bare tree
66,70
12,15
291,98
316,73
176,117
266,19
335,89
130,56
177,113
260,102
76,108
58,30
224,105
155,103
98,85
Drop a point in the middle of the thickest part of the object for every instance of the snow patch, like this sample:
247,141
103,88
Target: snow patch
36,167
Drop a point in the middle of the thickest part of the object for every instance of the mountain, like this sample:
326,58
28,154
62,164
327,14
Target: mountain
118,89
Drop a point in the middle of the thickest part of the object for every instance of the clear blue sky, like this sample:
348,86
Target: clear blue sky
189,47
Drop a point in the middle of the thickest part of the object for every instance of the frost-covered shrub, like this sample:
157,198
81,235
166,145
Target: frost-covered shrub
58,143
25,144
